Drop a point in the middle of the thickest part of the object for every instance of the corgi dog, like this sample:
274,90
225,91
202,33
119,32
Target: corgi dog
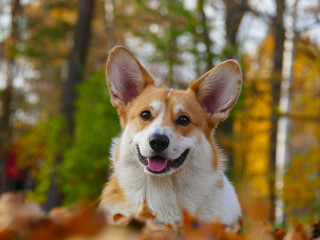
166,156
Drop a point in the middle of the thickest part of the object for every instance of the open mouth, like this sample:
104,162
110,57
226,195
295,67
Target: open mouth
158,164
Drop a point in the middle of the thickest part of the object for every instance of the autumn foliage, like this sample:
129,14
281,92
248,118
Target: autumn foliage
25,220
177,41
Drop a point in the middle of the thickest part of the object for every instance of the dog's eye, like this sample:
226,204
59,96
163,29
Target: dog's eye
146,115
183,120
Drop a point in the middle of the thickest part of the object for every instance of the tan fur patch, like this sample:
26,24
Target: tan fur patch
220,182
191,108
215,163
112,193
142,103
117,154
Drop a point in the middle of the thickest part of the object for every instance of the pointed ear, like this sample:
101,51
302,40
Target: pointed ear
126,78
219,89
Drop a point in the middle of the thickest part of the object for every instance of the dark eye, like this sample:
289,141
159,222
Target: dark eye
183,120
146,115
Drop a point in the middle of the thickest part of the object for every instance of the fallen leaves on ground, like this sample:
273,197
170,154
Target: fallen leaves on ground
25,220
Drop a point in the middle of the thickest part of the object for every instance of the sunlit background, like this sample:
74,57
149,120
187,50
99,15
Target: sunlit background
57,122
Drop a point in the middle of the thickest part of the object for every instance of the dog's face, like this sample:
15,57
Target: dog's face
165,126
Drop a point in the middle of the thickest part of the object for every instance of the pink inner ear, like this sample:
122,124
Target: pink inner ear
214,97
127,85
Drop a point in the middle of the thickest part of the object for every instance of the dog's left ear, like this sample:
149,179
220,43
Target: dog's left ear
219,89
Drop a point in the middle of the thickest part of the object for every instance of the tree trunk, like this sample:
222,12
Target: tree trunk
6,98
284,123
75,75
279,38
205,34
235,11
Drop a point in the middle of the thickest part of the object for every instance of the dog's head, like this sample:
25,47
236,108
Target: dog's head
169,127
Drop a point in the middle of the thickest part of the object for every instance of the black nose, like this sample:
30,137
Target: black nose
158,142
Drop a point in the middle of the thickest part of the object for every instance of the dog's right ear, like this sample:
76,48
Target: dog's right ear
126,78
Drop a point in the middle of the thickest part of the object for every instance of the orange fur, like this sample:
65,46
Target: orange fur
220,182
117,154
112,193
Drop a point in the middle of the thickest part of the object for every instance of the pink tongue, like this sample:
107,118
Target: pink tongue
157,165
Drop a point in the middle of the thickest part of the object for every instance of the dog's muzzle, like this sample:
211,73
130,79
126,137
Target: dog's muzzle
158,164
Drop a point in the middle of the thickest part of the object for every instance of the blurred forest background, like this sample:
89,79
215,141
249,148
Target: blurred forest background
57,122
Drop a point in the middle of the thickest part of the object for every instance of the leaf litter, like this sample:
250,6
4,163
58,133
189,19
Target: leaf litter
24,220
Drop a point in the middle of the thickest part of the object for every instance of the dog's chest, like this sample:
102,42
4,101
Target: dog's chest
165,196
